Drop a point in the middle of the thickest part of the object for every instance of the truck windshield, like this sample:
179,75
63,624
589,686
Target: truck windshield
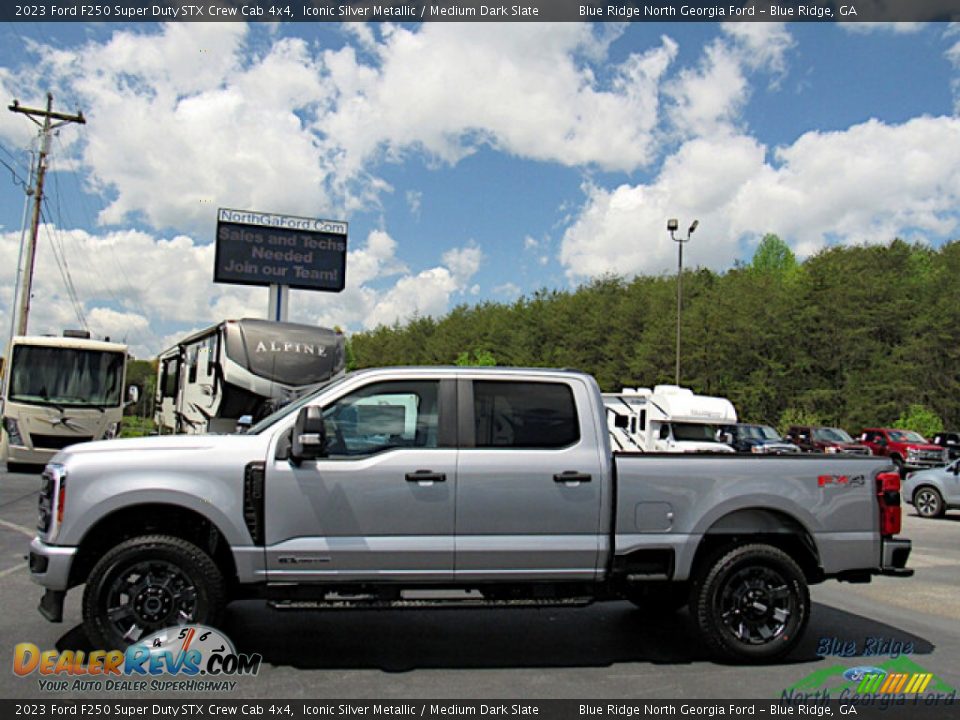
760,432
832,435
906,436
65,377
293,407
694,432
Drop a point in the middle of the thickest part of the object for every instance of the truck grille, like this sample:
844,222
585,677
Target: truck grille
57,442
927,457
45,503
856,451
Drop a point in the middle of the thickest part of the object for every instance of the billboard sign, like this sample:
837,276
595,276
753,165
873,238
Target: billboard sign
254,248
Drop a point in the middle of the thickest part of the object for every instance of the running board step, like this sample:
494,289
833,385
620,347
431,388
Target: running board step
407,603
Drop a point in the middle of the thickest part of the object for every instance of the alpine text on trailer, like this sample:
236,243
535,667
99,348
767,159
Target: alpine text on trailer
59,391
211,379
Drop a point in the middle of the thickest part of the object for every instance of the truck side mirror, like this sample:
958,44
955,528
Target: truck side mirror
133,395
309,435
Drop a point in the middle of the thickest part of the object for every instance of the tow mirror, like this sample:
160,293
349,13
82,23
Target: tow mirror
309,435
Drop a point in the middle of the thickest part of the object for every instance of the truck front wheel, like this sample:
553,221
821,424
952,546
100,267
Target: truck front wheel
148,583
752,603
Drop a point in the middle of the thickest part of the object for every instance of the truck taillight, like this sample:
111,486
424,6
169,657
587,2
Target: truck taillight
888,495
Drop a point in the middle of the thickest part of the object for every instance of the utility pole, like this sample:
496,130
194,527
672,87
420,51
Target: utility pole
46,128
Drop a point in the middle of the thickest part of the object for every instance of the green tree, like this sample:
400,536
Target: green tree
773,257
797,416
921,419
479,358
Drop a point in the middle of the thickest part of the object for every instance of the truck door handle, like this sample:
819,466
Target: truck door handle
572,476
425,476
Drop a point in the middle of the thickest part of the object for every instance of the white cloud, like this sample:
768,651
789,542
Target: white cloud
867,184
708,100
183,121
526,94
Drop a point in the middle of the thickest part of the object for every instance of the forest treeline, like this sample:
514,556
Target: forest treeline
852,336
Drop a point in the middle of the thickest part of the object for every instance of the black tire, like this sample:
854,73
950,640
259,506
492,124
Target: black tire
751,604
663,598
148,583
928,502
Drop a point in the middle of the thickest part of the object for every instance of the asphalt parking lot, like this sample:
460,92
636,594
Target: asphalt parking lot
605,651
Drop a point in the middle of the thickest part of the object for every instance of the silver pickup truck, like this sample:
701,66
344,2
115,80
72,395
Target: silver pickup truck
407,487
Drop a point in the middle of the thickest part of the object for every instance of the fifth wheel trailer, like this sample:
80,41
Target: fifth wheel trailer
212,378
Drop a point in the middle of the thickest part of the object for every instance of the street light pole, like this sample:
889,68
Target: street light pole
672,225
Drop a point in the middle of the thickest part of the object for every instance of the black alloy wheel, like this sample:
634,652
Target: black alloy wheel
149,583
752,604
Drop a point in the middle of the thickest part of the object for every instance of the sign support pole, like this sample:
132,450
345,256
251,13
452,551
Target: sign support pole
279,306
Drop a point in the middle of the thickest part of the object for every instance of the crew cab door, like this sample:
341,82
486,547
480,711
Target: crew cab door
529,481
380,504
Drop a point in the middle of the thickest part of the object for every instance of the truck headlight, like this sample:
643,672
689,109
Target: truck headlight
111,432
757,449
13,431
830,449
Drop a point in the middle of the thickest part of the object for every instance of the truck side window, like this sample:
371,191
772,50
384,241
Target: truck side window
524,415
383,416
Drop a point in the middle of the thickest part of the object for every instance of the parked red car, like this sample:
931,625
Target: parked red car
907,449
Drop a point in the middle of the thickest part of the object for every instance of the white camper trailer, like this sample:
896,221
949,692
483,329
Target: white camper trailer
212,378
668,418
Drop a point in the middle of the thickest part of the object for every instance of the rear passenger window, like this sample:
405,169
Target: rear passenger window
524,415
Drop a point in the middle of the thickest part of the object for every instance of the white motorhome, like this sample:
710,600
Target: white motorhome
59,391
668,418
212,378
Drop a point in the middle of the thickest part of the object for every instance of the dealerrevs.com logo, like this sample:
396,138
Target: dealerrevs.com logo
188,658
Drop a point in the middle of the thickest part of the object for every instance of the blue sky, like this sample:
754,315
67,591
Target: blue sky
473,161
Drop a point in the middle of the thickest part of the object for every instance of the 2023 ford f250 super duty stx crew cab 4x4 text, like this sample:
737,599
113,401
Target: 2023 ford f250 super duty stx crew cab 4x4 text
495,485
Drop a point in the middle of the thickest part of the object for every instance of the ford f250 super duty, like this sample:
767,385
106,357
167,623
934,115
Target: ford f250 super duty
496,486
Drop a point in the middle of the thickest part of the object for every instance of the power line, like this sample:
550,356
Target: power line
56,245
133,295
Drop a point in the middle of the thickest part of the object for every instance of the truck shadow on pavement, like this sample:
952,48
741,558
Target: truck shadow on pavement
602,635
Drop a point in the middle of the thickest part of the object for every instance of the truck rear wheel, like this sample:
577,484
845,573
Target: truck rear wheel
752,604
146,584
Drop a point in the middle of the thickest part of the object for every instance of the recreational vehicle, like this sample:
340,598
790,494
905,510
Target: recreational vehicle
668,418
212,378
58,391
